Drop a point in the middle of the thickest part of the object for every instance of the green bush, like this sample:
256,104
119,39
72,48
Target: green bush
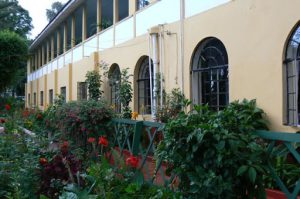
76,121
215,154
19,160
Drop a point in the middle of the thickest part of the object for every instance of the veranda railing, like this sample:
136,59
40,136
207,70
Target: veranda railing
140,138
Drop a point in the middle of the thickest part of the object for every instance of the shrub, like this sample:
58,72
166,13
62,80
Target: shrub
18,163
76,121
125,94
215,154
58,172
93,79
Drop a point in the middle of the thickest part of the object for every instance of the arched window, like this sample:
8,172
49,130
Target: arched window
114,82
144,89
210,74
292,60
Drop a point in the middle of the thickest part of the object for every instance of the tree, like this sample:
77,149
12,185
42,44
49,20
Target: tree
14,18
55,8
93,80
13,54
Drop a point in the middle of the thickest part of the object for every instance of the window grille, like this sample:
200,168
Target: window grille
210,74
114,82
41,98
144,89
81,91
63,93
291,73
51,96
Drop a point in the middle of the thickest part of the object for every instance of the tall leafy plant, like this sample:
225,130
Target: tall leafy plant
215,154
93,79
125,93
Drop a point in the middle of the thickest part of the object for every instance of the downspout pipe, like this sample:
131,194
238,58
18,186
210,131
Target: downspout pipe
182,17
154,39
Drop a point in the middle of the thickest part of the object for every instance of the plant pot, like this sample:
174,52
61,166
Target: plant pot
275,194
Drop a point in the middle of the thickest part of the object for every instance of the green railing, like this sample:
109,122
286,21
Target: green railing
290,142
140,138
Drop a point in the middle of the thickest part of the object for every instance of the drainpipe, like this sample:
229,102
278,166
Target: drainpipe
161,65
154,38
182,16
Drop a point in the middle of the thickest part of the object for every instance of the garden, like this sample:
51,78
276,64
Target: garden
84,149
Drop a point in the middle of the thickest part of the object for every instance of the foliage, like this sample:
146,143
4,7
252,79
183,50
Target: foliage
55,8
14,18
19,156
61,170
13,50
76,121
93,80
126,93
215,154
285,166
117,183
175,102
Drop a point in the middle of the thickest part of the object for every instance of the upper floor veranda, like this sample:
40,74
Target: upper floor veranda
86,26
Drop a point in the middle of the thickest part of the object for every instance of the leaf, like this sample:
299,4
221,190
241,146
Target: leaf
252,174
242,170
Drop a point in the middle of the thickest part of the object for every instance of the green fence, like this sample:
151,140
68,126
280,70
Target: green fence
141,137
290,142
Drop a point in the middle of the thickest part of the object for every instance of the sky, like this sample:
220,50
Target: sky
37,11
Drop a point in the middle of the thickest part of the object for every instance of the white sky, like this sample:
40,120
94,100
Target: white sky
37,11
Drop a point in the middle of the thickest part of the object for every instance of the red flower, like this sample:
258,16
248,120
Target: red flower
65,144
64,148
39,116
7,107
103,141
2,121
132,161
43,161
26,113
91,140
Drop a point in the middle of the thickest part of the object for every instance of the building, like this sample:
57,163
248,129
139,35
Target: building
216,51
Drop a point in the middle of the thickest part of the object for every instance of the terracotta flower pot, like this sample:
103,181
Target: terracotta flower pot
275,194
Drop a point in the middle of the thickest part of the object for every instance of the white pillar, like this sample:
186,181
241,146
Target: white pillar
155,67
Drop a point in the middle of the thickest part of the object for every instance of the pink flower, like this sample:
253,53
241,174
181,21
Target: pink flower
91,140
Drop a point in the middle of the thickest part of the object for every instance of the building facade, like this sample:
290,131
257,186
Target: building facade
215,51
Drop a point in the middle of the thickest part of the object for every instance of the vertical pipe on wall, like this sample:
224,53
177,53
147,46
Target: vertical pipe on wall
150,71
154,37
161,65
181,55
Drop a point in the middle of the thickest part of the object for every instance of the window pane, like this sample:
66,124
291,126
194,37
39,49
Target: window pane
211,56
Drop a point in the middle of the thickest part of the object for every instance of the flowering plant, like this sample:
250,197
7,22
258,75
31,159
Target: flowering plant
132,161
103,141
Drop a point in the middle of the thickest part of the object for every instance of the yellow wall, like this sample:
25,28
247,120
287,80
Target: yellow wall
80,69
254,33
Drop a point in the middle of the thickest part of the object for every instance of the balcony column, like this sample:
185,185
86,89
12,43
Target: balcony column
84,21
52,48
73,32
115,18
99,15
43,55
39,58
47,53
132,7
35,60
58,43
116,11
65,37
